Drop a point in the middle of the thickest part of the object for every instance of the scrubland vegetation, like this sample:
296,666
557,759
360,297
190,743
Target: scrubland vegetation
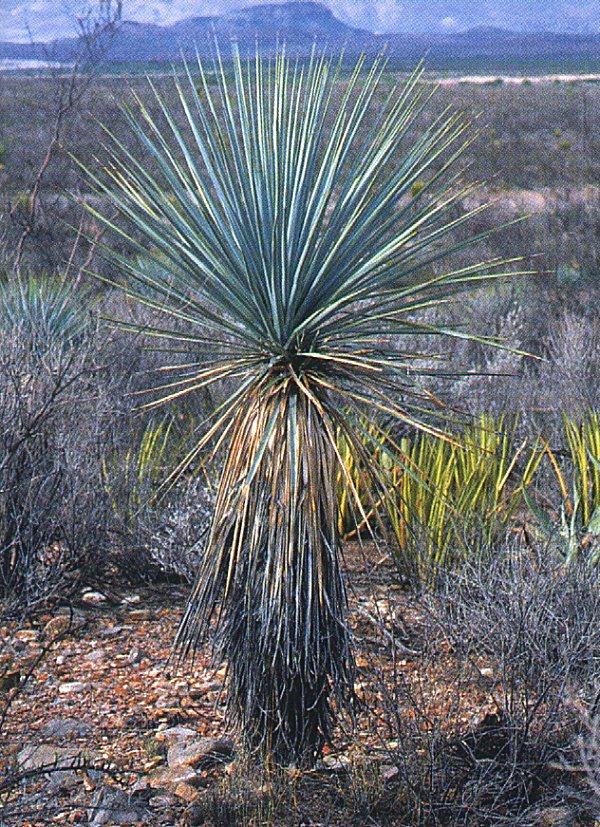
473,598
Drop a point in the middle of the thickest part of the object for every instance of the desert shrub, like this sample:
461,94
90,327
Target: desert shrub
568,380
159,522
52,513
589,744
80,464
517,635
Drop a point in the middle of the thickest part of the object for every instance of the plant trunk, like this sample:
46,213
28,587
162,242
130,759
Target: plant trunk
273,580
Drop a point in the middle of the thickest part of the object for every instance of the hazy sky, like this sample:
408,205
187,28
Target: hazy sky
46,19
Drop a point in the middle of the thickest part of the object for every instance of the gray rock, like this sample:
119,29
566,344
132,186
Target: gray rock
163,802
136,656
337,765
72,687
114,631
113,806
167,778
47,756
93,597
389,772
61,729
200,754
62,782
177,735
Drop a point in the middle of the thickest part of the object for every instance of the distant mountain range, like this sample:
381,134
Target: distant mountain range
301,24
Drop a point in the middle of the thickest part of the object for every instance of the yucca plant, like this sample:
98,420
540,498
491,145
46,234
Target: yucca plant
353,480
133,474
449,496
42,310
279,199
578,525
583,439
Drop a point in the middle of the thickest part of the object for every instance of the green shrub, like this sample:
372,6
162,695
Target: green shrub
417,188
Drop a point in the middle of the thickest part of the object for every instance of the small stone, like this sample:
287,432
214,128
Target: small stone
176,734
162,802
168,778
89,784
153,763
57,627
486,672
141,786
114,806
389,772
94,657
113,631
135,656
140,614
62,782
186,791
131,600
196,693
93,597
333,764
72,687
28,635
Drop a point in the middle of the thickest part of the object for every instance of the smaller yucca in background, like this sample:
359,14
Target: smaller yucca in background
43,310
449,497
280,205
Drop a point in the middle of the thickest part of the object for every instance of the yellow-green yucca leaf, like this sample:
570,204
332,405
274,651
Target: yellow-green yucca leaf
446,496
578,527
583,439
276,196
133,475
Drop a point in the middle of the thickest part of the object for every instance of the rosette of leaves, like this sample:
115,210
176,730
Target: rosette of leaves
277,194
43,310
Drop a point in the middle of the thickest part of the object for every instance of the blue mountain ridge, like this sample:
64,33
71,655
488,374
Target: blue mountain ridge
302,24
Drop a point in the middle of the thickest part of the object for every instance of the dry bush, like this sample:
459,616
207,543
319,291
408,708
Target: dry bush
53,516
516,635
